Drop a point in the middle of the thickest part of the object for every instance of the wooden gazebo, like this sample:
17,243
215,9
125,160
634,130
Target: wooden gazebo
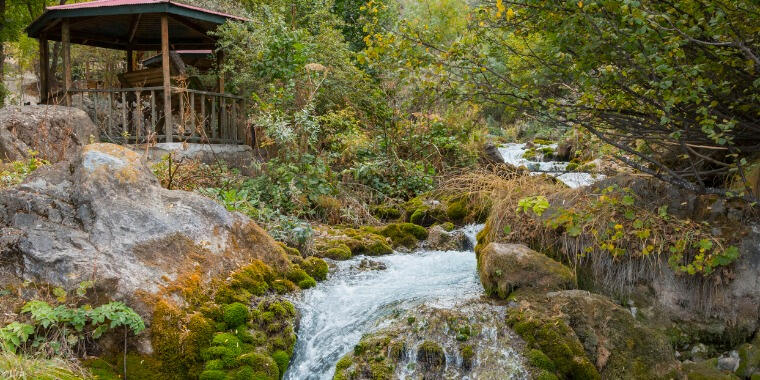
153,103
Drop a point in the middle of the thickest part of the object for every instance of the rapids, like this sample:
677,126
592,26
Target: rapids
351,302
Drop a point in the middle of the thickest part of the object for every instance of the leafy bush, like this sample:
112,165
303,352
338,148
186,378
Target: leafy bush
65,329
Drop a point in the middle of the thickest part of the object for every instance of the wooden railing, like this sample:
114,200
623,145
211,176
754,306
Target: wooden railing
136,115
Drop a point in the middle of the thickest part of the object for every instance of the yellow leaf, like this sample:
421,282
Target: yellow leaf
510,14
499,8
580,4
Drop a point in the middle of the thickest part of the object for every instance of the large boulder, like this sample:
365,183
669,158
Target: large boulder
587,336
55,132
103,217
505,268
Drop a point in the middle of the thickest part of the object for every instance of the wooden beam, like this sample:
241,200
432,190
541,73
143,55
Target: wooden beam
44,69
133,27
219,63
130,61
167,77
66,42
194,26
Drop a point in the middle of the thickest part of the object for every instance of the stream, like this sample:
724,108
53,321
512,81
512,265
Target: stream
353,301
512,153
350,303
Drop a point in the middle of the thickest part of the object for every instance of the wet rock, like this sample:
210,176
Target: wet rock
441,240
442,341
564,151
103,217
55,132
491,155
505,268
431,359
367,264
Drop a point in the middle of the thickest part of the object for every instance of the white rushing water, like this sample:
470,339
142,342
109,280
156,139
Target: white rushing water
336,313
512,153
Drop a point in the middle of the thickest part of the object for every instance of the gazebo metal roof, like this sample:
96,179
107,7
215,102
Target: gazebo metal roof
131,24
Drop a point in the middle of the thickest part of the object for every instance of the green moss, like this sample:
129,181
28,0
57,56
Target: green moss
282,359
749,360
404,234
138,367
289,250
538,359
315,267
261,366
456,210
546,375
571,167
468,356
235,314
385,213
213,375
448,226
378,249
341,252
307,283
556,340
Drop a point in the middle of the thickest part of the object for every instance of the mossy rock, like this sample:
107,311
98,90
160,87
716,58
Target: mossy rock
426,215
385,213
706,370
431,357
374,357
573,326
300,277
538,359
341,243
556,340
504,268
315,267
468,356
749,360
404,234
220,335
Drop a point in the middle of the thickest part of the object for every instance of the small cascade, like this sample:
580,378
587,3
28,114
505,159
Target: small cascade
354,301
513,154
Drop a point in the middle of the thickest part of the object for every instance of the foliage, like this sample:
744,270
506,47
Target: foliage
673,86
617,227
15,172
64,328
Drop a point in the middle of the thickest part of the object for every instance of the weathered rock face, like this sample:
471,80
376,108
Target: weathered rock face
505,268
103,217
55,132
441,240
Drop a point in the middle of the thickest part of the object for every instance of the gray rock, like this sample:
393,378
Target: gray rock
491,155
55,132
104,217
441,240
729,362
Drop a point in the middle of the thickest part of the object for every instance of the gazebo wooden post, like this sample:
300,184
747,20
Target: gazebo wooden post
219,63
168,126
130,61
44,69
66,42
